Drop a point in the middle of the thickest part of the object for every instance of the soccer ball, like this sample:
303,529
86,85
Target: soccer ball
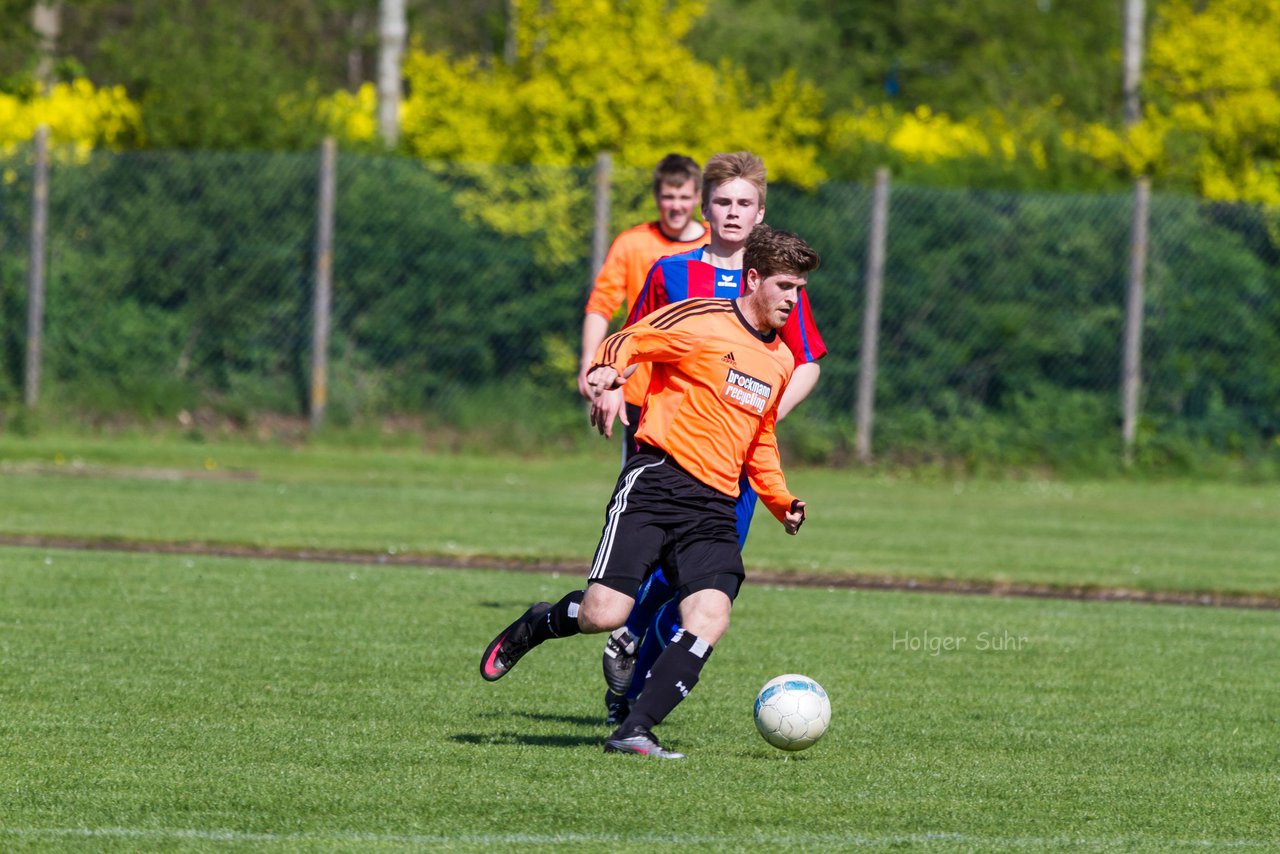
792,711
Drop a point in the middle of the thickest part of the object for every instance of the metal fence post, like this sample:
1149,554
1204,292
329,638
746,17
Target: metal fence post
871,315
36,272
1131,377
323,283
600,232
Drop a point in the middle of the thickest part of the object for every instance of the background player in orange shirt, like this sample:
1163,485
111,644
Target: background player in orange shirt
720,369
677,189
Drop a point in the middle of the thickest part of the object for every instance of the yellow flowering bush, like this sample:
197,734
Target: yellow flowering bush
79,116
1130,153
572,93
1214,87
1212,116
351,116
933,144
639,94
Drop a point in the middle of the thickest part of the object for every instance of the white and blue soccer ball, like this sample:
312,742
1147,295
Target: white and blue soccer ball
792,711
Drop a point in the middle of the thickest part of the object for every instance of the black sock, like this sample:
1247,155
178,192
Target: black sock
670,680
561,621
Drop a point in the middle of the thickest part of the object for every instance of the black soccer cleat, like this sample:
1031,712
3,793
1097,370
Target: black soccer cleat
616,708
515,640
620,661
640,743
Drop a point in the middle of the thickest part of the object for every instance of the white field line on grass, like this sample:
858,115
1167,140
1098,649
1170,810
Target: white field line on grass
1121,843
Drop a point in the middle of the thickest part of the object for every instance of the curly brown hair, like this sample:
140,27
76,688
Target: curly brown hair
770,251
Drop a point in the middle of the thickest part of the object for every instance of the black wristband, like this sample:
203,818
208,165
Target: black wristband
795,505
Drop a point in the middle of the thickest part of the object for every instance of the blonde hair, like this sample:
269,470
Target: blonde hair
739,164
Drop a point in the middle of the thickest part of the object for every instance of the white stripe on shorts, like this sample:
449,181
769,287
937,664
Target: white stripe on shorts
616,509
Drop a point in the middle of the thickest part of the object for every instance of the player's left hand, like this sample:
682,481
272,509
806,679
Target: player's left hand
795,517
584,388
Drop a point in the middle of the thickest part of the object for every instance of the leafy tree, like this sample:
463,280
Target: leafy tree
477,28
17,45
1214,84
961,58
1212,116
572,93
209,73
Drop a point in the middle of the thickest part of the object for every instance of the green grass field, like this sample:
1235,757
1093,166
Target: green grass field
186,702
178,703
1179,536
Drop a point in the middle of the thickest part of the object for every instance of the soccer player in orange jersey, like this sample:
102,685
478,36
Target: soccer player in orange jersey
734,188
677,192
719,370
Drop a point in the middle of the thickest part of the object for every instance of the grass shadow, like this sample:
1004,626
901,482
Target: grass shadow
520,738
575,720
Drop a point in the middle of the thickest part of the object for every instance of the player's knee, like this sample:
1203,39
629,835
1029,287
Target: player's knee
603,609
708,627
593,620
706,614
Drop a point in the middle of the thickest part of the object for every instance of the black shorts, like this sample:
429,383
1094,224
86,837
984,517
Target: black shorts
660,515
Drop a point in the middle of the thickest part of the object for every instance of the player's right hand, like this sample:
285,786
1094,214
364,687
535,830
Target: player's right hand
607,406
600,379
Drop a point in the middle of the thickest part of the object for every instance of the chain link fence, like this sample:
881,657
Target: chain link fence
185,282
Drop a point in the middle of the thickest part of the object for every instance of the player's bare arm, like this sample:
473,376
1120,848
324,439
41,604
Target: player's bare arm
802,382
594,328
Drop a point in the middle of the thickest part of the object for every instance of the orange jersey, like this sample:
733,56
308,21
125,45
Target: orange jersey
712,400
627,264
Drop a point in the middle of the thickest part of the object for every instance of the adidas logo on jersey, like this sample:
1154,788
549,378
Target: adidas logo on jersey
728,359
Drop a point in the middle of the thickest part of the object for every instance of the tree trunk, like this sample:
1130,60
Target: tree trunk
46,20
392,29
355,56
1134,21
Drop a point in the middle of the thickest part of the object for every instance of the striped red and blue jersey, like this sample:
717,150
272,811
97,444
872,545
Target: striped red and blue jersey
687,276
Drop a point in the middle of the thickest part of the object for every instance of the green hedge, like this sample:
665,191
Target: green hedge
1002,317
182,280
